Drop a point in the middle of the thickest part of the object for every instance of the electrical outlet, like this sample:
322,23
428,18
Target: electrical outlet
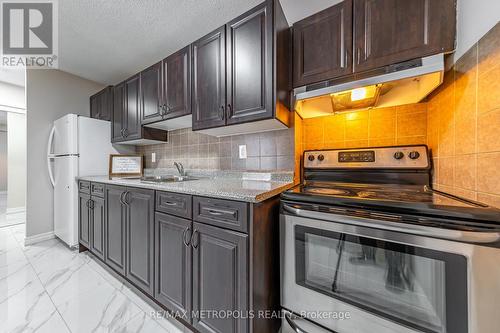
153,157
243,151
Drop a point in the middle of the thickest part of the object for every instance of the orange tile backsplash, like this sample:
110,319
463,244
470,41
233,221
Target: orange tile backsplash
405,124
460,122
464,123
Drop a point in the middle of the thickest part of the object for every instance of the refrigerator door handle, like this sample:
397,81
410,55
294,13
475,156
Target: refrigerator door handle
50,156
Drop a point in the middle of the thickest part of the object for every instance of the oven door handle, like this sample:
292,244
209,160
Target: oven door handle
295,327
419,230
290,319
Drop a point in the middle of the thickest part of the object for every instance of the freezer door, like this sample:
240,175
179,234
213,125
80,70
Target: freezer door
94,146
65,140
65,199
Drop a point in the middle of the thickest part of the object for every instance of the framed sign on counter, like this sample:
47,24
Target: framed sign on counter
125,166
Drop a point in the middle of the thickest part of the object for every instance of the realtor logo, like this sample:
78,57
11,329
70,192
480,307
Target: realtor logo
29,36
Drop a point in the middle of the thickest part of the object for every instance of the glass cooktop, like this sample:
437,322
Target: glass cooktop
411,199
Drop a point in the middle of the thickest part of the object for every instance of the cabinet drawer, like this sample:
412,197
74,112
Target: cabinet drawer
84,187
97,190
174,203
222,213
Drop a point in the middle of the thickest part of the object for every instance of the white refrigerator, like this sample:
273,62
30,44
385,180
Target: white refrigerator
77,146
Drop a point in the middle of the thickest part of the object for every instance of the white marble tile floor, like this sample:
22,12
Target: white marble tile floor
47,287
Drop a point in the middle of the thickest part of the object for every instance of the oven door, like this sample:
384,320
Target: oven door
353,279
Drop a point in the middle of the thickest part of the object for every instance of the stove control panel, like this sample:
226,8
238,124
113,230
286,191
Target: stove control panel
402,157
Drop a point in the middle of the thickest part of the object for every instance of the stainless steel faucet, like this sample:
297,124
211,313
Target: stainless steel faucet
180,168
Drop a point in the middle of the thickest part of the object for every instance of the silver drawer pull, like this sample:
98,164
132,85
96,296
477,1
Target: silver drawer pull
170,203
219,212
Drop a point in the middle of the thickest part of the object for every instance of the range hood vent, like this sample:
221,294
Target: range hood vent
403,83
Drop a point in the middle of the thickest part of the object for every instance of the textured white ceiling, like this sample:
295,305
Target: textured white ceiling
107,41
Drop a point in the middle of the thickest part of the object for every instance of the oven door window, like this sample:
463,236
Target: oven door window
419,288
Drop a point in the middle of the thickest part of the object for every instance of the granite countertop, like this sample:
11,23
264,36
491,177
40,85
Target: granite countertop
249,187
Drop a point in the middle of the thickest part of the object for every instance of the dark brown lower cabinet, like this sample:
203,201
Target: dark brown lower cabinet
97,234
220,278
140,238
84,219
197,265
173,262
115,228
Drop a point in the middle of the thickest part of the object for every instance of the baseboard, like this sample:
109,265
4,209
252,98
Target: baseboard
39,238
16,210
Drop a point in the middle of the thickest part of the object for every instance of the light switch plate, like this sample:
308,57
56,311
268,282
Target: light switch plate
243,151
153,157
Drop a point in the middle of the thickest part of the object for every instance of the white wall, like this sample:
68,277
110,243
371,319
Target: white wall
16,170
50,95
3,158
475,18
12,97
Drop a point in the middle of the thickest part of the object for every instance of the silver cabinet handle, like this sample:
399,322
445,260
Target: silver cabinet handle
125,132
91,204
170,203
221,112
121,198
195,236
126,198
184,234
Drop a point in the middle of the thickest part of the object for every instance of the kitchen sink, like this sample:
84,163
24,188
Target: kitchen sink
166,179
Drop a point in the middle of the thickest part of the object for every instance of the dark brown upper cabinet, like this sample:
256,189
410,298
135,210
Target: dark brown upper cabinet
118,115
132,130
361,35
166,88
392,31
241,73
177,84
126,127
101,104
249,66
322,45
151,93
209,80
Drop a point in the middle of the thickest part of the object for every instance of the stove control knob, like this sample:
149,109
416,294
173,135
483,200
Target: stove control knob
310,158
414,155
321,157
399,155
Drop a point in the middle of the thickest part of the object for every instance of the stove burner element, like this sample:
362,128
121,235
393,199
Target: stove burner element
330,191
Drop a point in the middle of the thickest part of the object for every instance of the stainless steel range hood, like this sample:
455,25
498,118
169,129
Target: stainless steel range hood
403,83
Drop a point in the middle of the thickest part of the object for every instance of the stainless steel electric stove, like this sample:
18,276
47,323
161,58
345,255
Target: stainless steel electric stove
366,233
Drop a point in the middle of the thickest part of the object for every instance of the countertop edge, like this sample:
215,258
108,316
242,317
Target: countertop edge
260,197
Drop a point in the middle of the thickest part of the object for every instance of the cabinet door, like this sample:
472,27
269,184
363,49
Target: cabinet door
132,112
94,106
104,101
140,238
114,253
392,31
220,277
250,65
322,45
173,262
98,216
118,114
151,90
177,83
209,80
84,219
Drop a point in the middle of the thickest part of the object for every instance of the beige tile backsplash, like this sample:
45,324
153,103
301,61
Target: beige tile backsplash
265,151
464,124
